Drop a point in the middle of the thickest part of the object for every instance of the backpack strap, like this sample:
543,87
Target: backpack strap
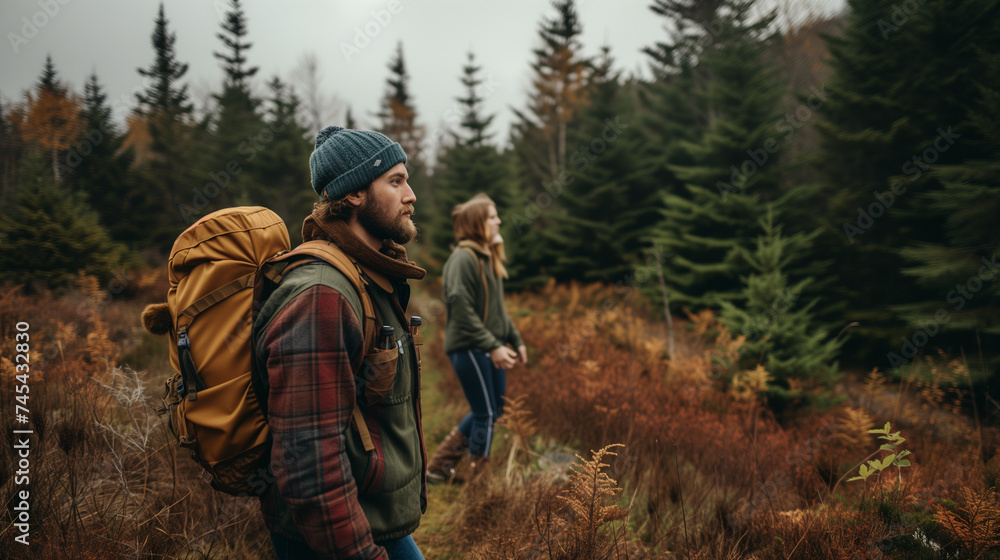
336,257
191,381
482,274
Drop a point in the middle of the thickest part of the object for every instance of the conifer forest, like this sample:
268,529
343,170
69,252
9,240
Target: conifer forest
758,281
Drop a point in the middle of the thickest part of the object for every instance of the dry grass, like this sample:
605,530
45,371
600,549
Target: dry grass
106,478
703,469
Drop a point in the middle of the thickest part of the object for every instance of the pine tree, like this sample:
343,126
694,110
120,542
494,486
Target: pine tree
49,233
961,267
101,169
240,134
49,80
163,97
469,165
729,170
397,114
879,127
282,166
777,321
234,30
611,202
12,146
53,118
559,84
172,175
539,143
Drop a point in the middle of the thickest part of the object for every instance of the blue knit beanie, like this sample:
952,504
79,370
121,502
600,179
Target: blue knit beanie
347,160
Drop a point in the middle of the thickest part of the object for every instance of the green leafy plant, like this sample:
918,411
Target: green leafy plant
892,456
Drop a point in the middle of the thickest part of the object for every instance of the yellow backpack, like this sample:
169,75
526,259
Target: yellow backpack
211,402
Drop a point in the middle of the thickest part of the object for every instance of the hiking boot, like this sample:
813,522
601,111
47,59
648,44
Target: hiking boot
441,467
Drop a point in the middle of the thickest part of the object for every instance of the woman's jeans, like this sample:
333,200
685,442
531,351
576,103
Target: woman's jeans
288,549
484,387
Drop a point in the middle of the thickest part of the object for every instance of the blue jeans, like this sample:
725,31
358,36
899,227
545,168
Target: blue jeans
403,549
288,549
484,387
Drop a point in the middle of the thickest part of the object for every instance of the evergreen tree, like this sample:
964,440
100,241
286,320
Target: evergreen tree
240,134
468,166
539,143
611,202
234,30
282,166
49,233
777,321
675,111
879,127
726,172
172,174
101,169
961,268
12,147
473,121
53,120
163,97
559,85
49,80
397,114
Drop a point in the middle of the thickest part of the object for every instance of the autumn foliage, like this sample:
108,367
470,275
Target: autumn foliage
705,469
610,448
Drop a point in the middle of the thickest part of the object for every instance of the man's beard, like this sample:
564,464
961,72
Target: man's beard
385,224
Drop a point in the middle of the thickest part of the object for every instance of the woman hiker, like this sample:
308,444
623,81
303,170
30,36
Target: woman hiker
479,336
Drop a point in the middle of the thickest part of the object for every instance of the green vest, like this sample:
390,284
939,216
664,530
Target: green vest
390,479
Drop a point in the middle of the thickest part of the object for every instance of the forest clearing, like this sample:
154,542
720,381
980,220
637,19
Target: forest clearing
677,458
732,274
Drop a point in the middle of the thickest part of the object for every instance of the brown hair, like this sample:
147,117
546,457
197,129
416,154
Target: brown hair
469,223
336,209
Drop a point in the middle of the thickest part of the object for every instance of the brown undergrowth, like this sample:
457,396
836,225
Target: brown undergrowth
105,478
706,471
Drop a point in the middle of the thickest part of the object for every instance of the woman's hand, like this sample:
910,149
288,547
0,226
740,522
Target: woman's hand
522,355
503,357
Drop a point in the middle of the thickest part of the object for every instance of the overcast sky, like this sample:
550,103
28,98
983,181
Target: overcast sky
112,37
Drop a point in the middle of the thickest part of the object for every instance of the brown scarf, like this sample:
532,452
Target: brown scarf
390,260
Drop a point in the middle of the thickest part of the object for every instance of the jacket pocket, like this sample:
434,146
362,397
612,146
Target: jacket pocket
378,374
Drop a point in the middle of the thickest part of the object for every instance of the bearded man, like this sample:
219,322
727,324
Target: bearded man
333,497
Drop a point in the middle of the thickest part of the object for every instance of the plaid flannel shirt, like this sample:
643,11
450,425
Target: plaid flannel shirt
313,347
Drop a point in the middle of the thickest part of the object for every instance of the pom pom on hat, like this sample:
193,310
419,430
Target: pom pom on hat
326,133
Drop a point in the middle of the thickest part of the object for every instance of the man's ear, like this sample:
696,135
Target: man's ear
356,198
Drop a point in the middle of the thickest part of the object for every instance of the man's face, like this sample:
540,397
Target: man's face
386,209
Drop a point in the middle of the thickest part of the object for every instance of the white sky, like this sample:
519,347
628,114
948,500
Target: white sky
112,37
